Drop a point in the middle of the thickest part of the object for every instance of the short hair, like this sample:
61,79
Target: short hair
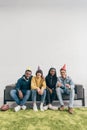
39,71
28,71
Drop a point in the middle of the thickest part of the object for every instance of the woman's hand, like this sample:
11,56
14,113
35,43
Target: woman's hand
40,91
50,90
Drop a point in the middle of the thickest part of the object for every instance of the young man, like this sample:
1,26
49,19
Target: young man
65,86
51,80
22,91
38,86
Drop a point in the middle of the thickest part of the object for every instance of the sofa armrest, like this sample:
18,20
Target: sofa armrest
11,86
79,91
7,91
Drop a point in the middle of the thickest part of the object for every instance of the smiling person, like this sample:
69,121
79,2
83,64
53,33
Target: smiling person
22,91
65,85
38,86
51,80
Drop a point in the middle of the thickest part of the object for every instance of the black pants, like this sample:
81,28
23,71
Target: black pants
50,96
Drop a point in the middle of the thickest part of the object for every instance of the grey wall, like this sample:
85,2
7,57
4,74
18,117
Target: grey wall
46,33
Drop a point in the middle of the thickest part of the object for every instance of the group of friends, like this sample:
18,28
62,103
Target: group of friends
45,87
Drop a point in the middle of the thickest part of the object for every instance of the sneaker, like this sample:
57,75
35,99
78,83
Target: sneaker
41,107
61,108
52,107
17,108
23,107
45,107
35,107
70,110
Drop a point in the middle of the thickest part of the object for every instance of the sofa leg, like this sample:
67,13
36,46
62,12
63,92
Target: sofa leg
83,100
4,98
4,101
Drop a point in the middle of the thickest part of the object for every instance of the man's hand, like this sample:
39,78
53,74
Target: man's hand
20,94
59,84
67,85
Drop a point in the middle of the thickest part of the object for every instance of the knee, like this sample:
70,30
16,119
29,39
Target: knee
47,91
58,89
44,92
72,90
28,92
12,92
33,91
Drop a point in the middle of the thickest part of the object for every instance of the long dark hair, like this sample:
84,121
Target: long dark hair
51,80
52,68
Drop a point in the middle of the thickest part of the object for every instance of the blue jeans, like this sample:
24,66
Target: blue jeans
16,98
34,96
69,92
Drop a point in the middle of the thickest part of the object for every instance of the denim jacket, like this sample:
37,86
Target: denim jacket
65,81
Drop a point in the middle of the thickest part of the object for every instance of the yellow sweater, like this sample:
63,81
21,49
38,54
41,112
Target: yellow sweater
38,83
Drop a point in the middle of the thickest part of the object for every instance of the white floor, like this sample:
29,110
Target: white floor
77,103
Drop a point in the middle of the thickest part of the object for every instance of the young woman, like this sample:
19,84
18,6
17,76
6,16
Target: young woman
38,86
51,80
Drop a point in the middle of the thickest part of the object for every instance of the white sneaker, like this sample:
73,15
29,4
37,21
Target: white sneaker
45,107
52,107
17,108
23,107
41,107
35,107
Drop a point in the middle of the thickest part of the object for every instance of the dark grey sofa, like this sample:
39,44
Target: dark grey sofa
79,94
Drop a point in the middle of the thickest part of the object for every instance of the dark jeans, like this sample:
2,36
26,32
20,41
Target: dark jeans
50,96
